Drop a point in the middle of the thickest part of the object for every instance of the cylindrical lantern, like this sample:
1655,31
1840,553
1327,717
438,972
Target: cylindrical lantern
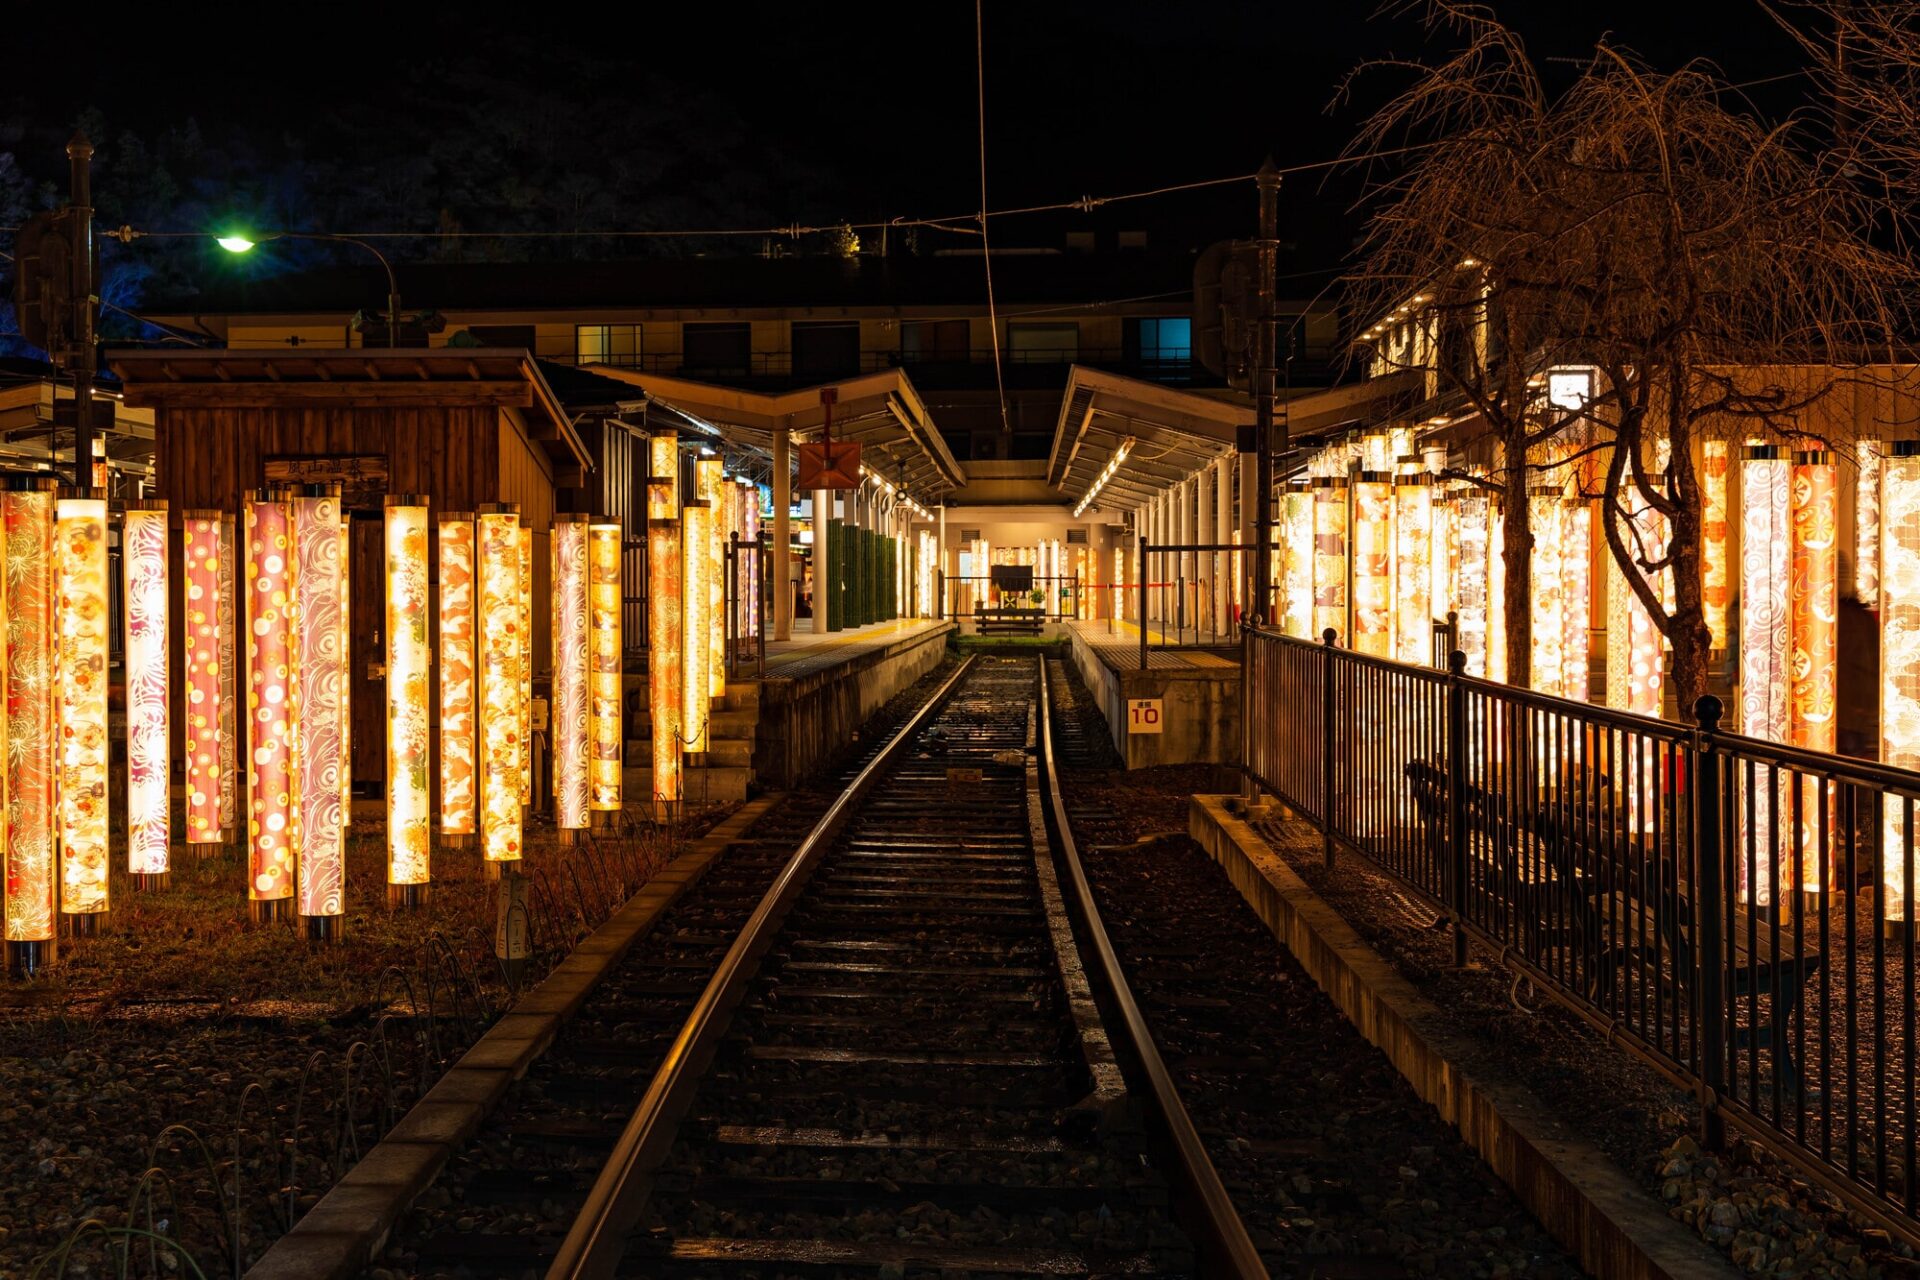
606,722
1496,591
1297,619
459,789
663,476
232,647
1549,619
500,639
1473,578
1899,659
1866,525
708,483
346,665
1413,567
1765,553
201,670
696,531
319,669
1330,557
568,539
1576,598
80,517
409,671
664,640
31,759
1445,555
526,664
1373,564
1813,634
270,705
1714,465
143,562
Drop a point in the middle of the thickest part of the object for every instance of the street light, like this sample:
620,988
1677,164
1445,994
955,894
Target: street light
236,243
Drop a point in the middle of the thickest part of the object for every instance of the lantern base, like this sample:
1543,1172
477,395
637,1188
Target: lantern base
86,924
269,910
514,972
458,840
603,819
1895,930
407,897
326,930
567,837
151,881
501,869
30,959
204,849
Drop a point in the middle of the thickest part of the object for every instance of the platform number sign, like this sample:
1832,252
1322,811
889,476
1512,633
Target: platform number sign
1143,715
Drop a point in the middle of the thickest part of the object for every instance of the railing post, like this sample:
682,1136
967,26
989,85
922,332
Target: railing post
1328,736
1146,576
1456,803
1709,792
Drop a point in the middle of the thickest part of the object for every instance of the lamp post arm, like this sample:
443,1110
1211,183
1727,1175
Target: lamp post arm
393,284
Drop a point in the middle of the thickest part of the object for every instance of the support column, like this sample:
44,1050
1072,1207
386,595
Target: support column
822,517
940,561
780,563
1249,522
1139,592
1209,563
1223,532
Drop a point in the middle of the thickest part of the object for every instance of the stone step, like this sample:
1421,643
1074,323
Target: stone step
741,695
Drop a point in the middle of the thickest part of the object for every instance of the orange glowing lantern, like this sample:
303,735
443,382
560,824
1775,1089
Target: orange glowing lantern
459,793
500,640
568,537
605,722
31,759
143,561
319,670
270,710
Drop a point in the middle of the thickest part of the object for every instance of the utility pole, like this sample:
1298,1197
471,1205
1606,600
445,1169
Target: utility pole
1261,597
80,225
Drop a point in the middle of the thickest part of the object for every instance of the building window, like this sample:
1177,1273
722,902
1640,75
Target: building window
1043,343
934,342
1160,346
826,349
606,344
716,350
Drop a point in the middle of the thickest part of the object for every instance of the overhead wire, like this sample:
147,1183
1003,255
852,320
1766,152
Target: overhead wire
986,250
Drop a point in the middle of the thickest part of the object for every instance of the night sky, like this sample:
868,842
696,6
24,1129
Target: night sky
817,112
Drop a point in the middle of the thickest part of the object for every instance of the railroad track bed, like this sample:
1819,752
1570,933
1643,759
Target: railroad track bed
903,1091
1336,1167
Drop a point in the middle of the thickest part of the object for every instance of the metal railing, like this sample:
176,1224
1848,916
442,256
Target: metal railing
975,596
749,604
1733,910
1189,595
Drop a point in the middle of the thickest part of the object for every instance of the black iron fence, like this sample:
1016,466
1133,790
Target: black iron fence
748,604
1735,911
1188,595
1051,598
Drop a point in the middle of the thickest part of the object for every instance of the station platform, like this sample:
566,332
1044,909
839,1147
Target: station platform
771,731
1192,693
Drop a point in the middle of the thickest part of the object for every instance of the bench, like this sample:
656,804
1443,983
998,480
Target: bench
1010,622
1598,888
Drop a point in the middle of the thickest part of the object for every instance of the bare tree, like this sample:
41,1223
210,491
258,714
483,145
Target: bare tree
1715,270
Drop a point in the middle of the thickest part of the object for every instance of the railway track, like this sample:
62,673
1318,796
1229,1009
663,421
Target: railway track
864,1046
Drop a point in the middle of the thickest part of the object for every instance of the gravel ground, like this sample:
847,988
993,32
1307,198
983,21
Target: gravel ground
187,1040
1342,1171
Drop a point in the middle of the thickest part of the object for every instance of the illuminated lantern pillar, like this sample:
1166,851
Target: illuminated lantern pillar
1373,564
459,774
606,721
696,564
143,561
1713,538
80,517
1899,584
319,670
30,760
1445,556
1549,615
664,638
1496,592
1413,568
569,718
1473,577
707,485
233,617
499,640
1576,597
1765,540
346,666
526,664
1866,525
270,710
200,535
1297,617
1330,558
1813,634
409,672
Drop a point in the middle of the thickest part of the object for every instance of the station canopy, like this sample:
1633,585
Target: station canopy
881,410
1171,433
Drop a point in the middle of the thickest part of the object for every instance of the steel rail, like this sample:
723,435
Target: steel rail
1208,1214
595,1242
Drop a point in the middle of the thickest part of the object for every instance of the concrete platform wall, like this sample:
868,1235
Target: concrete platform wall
804,719
1201,709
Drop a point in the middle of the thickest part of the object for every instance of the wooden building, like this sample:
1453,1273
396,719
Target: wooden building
464,426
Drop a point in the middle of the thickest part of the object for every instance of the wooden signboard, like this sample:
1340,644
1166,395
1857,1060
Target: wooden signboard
362,477
829,464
